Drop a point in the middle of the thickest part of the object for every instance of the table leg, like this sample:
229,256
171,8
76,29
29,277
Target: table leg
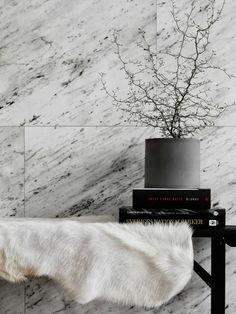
218,275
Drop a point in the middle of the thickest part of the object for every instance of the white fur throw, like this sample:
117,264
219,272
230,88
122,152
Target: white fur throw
134,264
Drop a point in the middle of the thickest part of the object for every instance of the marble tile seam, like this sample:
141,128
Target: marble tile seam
24,285
24,168
99,126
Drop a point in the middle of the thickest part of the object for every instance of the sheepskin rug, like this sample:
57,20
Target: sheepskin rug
131,264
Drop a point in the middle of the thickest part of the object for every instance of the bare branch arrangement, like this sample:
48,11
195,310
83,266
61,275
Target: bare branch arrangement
177,96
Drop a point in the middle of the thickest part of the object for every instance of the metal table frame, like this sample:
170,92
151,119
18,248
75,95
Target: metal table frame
216,280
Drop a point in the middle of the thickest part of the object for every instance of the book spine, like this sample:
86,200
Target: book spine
155,199
196,221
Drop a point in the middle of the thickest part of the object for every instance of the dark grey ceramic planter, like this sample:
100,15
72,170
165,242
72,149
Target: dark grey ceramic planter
172,163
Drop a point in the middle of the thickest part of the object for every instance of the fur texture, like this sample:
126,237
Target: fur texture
124,263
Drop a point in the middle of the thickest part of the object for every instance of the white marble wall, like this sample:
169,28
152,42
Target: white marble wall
65,151
11,203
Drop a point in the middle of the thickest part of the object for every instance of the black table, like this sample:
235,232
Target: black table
216,281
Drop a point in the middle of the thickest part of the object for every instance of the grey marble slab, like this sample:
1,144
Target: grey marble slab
84,171
53,51
51,55
11,204
218,167
218,155
67,170
222,42
80,171
11,298
11,171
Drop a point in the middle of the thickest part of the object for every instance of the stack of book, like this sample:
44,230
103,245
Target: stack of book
193,206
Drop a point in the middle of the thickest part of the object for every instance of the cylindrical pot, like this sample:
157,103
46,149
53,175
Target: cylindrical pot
172,163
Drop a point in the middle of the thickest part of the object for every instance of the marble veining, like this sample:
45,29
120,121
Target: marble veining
66,151
81,171
222,41
12,171
53,51
49,158
11,204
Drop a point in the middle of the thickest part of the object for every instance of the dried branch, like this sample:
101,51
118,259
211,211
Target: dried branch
176,97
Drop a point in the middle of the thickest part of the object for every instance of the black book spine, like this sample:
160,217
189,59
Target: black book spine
213,219
158,198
